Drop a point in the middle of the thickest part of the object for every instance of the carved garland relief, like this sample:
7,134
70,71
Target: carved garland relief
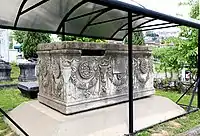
58,80
86,75
44,74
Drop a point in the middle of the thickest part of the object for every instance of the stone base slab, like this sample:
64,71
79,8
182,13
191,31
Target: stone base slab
89,104
39,120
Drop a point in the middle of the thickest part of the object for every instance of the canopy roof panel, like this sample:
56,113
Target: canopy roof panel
105,19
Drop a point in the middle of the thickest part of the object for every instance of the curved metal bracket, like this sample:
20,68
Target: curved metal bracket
124,26
95,17
156,28
34,6
19,12
87,14
108,21
139,26
69,13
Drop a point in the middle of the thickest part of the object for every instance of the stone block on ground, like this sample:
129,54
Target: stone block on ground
27,72
29,89
5,70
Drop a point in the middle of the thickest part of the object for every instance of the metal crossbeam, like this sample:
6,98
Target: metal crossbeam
139,17
139,26
69,13
34,6
95,17
19,12
87,14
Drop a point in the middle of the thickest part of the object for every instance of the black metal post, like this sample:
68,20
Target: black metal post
198,74
130,70
13,122
193,94
63,32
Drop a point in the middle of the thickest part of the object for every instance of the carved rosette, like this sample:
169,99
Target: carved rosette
84,76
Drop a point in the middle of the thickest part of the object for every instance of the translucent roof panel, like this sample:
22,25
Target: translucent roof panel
105,19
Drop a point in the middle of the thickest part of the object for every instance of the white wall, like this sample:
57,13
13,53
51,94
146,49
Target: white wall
4,44
12,57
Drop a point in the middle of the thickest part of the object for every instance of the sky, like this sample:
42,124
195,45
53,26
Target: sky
170,7
166,6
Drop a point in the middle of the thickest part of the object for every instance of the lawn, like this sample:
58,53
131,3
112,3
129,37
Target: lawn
176,126
10,98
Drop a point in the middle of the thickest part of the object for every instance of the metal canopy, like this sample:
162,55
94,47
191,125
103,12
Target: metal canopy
104,19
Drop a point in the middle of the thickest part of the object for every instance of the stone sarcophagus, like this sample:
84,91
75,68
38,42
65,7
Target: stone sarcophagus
75,76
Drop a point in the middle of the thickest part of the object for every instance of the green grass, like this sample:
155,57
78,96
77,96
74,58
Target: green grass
184,123
9,99
174,95
15,71
14,81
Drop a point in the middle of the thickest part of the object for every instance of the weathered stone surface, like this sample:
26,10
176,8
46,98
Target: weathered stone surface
5,69
70,82
29,89
27,72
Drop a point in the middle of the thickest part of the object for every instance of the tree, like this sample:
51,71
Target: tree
151,34
19,36
137,38
29,41
184,52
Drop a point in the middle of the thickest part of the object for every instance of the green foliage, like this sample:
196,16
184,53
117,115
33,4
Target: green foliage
15,71
80,39
19,36
151,34
29,41
167,60
138,38
184,51
11,46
